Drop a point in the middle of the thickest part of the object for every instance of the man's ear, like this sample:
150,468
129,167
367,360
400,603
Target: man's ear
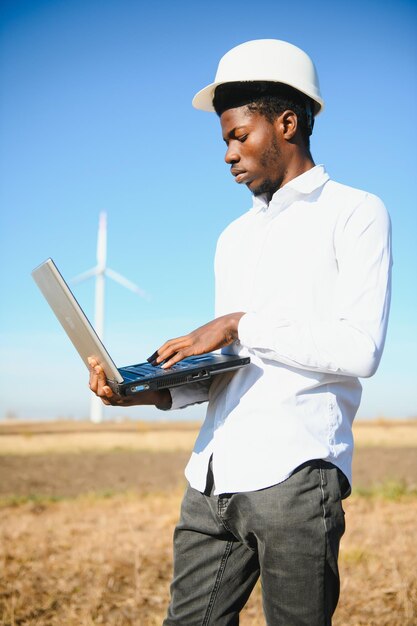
287,124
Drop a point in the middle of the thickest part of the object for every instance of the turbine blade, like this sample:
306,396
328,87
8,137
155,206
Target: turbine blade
126,283
88,274
102,240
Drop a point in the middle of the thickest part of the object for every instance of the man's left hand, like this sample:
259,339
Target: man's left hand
216,334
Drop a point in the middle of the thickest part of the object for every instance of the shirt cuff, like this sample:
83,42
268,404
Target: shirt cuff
254,330
185,395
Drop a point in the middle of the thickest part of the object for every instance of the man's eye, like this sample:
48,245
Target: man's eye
242,138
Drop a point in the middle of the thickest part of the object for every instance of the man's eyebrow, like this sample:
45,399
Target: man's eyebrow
232,133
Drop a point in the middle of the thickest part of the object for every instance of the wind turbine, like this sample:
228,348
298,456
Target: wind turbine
100,271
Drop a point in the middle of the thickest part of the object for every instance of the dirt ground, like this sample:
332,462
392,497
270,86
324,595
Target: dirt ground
65,475
86,527
66,459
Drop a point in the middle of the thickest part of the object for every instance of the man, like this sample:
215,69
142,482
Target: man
302,287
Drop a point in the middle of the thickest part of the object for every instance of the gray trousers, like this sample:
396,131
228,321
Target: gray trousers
287,534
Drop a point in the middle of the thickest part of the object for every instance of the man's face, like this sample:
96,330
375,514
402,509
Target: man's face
253,150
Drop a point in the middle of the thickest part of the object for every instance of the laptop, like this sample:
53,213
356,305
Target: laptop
131,379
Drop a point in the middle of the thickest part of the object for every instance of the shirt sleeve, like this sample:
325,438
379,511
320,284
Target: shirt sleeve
351,343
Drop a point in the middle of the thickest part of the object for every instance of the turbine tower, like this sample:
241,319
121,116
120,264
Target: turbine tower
100,271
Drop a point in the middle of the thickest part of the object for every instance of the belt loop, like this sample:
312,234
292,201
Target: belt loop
323,474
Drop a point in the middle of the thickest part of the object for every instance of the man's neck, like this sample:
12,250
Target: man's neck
300,163
297,166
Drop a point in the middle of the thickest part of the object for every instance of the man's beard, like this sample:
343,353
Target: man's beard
271,156
268,187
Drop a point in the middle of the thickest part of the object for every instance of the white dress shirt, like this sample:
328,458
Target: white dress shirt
311,270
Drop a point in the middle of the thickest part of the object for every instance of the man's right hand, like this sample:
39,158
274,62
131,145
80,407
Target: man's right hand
98,385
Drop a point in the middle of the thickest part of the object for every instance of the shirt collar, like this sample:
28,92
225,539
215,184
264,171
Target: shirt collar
304,184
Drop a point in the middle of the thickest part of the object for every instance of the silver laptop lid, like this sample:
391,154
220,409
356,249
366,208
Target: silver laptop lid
72,318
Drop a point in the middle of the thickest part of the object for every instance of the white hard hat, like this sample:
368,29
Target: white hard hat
268,60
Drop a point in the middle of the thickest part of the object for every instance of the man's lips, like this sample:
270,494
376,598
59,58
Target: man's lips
240,175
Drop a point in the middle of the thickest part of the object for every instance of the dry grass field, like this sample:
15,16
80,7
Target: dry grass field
87,515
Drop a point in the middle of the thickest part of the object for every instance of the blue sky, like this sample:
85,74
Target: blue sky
95,114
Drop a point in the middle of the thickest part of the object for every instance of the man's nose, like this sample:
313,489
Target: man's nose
232,155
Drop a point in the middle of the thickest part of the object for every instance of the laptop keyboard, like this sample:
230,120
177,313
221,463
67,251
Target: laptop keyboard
146,369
